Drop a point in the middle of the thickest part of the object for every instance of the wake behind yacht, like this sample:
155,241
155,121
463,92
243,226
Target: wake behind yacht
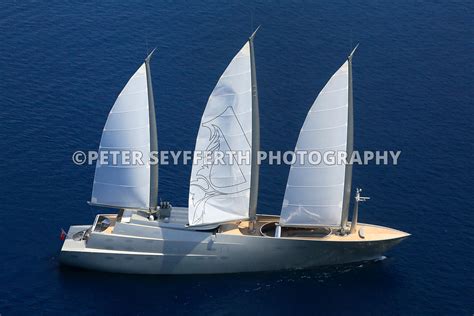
220,230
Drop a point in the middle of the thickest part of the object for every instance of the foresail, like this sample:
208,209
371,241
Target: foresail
220,189
315,192
117,182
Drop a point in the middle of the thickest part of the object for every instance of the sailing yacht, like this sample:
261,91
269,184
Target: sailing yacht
220,230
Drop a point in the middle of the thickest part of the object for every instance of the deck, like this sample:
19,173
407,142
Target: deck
179,216
370,232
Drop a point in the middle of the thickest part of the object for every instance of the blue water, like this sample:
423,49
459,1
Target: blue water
62,63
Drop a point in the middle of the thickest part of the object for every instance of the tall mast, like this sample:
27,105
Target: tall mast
153,136
349,147
255,135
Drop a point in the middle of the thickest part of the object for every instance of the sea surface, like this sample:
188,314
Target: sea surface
62,64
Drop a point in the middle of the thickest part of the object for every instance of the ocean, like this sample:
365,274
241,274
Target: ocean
62,64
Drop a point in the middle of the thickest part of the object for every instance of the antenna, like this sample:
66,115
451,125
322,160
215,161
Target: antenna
361,198
254,33
148,57
352,53
355,215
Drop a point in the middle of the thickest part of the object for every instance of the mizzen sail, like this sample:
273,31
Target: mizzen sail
220,190
122,182
315,193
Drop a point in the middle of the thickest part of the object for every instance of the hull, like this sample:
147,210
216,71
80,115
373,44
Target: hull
170,248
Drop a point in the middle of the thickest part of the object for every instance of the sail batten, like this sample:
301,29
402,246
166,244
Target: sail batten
315,193
315,186
220,192
120,185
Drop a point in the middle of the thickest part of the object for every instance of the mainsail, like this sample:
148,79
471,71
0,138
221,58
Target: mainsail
220,190
130,128
317,194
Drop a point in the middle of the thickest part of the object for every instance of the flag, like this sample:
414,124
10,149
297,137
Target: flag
63,234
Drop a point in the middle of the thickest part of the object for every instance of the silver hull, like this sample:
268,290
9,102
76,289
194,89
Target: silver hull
170,248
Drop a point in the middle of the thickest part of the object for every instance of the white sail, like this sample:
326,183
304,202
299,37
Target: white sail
314,194
220,191
120,183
